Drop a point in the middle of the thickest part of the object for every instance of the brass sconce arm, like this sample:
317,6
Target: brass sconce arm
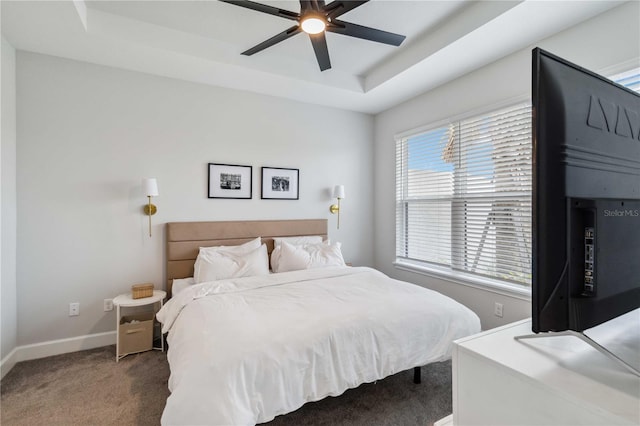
150,188
338,192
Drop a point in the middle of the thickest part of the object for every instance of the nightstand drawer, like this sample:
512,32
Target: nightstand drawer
135,336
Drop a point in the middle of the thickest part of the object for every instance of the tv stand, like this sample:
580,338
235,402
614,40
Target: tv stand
586,339
500,381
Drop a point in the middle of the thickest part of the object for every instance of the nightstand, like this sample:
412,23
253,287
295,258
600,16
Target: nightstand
135,333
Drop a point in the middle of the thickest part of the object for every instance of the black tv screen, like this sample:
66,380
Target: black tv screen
586,197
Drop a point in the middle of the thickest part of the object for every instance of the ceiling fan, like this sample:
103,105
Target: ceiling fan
315,18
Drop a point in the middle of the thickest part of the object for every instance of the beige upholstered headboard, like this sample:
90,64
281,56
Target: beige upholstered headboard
184,239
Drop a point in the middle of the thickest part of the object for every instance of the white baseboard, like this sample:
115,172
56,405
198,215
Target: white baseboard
447,421
8,362
55,347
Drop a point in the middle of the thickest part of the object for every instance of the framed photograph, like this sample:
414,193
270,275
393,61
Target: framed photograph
230,181
280,184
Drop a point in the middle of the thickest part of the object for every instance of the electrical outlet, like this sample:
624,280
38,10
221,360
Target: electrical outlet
497,310
74,309
108,305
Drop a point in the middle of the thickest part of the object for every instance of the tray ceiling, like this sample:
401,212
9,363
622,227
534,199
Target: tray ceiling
201,41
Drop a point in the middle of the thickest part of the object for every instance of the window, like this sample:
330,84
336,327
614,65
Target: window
463,196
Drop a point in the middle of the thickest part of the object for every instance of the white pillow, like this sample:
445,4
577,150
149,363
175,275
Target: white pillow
180,284
275,258
242,248
309,256
206,252
296,241
213,265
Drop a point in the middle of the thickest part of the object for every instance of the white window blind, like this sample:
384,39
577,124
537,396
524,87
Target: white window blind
463,195
630,79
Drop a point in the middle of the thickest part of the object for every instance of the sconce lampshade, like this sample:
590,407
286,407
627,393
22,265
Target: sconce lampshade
338,192
150,187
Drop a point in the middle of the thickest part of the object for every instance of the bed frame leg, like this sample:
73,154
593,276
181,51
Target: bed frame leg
416,375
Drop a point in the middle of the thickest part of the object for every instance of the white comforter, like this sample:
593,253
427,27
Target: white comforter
245,350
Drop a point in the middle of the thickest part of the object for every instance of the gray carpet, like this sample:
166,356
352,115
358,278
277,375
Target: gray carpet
89,388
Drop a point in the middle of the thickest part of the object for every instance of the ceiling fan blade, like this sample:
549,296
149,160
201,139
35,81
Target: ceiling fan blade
273,40
306,5
366,33
287,14
337,8
319,42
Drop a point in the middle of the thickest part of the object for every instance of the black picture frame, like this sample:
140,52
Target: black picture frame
279,183
230,181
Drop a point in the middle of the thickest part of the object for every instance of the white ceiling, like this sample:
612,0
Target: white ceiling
201,41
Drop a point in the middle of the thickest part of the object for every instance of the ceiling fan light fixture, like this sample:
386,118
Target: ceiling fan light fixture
313,24
315,18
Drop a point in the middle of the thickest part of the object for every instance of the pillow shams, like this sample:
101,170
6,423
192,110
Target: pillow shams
242,248
296,241
205,253
180,284
293,258
212,265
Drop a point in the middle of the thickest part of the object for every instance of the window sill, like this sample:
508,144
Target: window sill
487,284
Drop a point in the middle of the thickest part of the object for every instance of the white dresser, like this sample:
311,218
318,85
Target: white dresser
547,381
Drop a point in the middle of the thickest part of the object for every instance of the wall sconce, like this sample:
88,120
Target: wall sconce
338,192
150,189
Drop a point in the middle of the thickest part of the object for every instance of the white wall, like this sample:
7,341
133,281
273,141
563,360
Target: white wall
8,298
88,134
610,39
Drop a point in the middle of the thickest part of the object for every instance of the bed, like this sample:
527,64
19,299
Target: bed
245,349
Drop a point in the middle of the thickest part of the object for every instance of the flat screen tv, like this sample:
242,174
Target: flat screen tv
586,197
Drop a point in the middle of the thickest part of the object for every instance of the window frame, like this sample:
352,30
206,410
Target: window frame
459,277
447,273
